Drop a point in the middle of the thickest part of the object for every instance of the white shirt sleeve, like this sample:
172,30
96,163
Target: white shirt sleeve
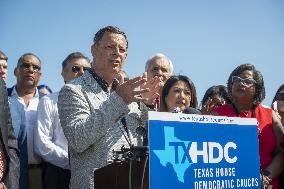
49,140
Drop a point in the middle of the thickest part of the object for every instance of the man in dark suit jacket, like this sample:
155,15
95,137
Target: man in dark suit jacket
8,144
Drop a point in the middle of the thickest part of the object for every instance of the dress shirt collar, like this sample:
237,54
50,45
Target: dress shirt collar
103,83
15,93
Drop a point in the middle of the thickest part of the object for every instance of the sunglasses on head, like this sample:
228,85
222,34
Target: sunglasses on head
26,67
280,96
76,69
248,82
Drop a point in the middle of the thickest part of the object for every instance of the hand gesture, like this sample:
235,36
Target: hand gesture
154,86
131,91
265,181
210,104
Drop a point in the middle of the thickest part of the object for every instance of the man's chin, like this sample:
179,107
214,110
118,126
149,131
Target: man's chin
30,83
115,71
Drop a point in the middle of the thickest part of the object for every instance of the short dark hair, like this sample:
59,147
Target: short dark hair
73,56
257,76
279,89
170,82
3,56
220,90
39,87
112,29
20,61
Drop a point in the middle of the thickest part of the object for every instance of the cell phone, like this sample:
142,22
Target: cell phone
275,105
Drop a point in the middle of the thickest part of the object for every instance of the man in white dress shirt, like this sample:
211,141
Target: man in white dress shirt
23,101
49,140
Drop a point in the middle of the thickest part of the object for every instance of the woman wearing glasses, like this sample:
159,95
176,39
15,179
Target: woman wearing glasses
246,90
278,106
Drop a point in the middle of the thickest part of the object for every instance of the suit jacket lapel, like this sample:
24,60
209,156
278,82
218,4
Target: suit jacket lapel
92,85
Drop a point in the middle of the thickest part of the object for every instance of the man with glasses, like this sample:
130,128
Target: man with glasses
74,65
49,140
24,98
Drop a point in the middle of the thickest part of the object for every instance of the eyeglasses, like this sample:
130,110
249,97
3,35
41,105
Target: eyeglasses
27,66
76,69
280,96
248,82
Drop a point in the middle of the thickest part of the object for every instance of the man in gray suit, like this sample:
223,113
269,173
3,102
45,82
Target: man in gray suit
9,153
3,65
97,120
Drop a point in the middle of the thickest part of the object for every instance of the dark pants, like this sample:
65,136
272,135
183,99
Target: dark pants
281,180
54,177
35,178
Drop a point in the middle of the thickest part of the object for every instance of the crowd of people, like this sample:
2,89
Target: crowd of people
56,140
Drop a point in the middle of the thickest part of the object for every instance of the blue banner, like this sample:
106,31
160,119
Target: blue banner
203,152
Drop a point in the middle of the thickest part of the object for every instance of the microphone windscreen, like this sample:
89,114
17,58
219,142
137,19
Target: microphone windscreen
140,130
190,110
176,110
115,83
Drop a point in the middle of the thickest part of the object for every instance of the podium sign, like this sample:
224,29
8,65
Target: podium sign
203,152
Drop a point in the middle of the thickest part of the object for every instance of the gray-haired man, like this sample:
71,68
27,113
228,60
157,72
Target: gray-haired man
158,65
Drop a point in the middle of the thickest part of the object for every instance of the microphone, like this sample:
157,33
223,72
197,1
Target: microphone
157,103
127,138
176,110
141,136
115,83
188,110
191,110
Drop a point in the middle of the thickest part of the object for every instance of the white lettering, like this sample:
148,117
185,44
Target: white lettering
217,146
226,153
193,152
207,152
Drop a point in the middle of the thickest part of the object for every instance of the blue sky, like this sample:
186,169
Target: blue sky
205,39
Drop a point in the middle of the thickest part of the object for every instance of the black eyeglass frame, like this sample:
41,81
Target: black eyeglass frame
76,69
26,67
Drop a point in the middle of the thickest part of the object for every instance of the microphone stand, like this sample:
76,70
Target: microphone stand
157,104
